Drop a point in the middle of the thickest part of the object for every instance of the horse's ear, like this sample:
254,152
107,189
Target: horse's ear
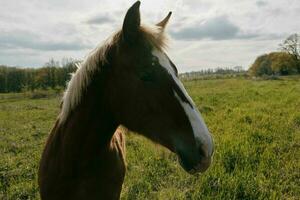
132,22
165,21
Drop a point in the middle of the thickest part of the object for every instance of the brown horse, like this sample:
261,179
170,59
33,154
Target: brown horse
129,81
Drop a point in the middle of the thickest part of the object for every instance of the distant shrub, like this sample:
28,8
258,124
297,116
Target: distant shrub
275,63
39,94
272,77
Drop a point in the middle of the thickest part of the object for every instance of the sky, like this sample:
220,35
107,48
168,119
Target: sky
203,33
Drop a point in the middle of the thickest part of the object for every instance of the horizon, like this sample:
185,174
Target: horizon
200,69
203,33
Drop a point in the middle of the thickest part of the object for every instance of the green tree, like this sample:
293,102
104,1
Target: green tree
52,75
279,63
283,63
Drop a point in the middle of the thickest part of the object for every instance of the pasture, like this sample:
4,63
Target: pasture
256,129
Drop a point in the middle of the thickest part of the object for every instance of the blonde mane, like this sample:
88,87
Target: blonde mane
93,62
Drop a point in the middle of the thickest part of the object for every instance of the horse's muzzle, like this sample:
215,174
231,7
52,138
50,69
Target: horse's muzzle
202,166
194,163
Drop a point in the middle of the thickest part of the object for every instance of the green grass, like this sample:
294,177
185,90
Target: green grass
256,129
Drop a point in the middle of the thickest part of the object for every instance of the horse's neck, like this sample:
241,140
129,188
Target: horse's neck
85,134
83,158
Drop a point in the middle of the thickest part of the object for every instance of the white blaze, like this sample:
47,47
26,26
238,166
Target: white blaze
200,130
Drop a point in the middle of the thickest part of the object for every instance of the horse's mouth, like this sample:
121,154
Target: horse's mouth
200,166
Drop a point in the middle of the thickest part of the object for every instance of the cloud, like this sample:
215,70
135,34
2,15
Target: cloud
261,3
100,19
23,39
217,28
34,31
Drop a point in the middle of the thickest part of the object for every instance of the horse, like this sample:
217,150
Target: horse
128,83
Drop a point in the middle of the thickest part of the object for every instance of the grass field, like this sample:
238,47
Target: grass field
255,124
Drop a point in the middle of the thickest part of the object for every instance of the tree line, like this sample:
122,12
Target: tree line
215,72
55,74
284,62
51,75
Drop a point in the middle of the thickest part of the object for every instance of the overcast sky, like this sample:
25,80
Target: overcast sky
204,33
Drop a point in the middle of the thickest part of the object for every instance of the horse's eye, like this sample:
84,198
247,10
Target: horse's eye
147,73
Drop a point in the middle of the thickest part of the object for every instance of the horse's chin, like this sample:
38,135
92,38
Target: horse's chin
194,168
